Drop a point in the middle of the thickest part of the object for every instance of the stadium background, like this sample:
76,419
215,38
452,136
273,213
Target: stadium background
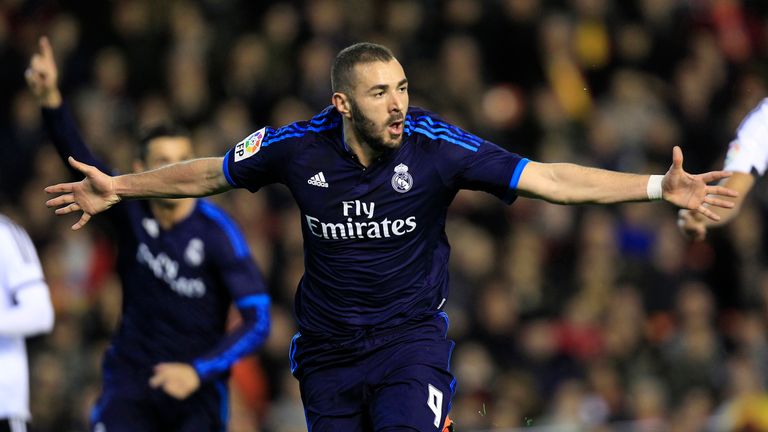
587,318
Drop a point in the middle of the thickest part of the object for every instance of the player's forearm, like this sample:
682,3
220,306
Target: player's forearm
564,183
193,178
50,99
33,313
66,138
247,338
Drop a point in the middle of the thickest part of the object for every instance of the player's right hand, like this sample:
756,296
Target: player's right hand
42,76
92,195
691,224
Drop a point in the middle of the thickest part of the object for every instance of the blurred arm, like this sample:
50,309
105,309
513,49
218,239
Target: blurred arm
245,339
32,314
62,130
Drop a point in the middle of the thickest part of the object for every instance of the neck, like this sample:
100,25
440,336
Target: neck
364,152
170,212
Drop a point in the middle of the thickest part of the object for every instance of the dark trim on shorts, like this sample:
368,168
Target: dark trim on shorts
14,425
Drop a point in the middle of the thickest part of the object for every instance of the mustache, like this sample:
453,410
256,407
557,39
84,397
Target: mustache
395,118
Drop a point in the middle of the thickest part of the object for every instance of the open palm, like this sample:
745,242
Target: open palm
94,194
691,191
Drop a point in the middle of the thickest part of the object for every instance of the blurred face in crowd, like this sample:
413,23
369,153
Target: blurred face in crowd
378,103
165,150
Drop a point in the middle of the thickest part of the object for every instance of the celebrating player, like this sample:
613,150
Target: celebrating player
181,264
373,179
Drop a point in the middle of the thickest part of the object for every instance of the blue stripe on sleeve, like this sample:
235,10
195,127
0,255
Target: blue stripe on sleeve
445,138
225,168
252,339
233,233
254,300
455,130
518,172
221,387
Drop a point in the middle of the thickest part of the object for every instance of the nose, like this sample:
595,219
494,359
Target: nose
396,103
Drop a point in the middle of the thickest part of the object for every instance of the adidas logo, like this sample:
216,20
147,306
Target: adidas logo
318,180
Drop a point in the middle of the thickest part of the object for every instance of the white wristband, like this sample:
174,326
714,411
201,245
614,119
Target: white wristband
653,189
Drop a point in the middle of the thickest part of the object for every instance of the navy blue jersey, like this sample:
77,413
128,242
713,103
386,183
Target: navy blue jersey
179,283
376,253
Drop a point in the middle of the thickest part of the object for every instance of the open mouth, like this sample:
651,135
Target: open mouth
395,128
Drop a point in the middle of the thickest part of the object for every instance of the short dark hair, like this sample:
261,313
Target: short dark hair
162,130
346,59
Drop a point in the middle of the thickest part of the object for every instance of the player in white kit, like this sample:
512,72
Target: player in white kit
747,158
25,310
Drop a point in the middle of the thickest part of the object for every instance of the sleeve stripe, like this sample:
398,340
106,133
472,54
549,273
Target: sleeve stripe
233,233
28,284
518,172
255,300
252,339
445,137
225,168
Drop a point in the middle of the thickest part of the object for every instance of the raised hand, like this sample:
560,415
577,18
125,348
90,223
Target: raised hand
42,76
92,195
690,191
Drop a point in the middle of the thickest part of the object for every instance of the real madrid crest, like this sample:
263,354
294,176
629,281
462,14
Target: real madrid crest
194,254
401,180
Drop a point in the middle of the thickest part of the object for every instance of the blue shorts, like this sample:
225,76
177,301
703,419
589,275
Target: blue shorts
389,380
128,404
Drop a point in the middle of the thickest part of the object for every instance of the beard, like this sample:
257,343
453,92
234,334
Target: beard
368,132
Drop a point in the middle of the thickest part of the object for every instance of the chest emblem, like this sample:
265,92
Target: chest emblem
402,181
151,227
194,254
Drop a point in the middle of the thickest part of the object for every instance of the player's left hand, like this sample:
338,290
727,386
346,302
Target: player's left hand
178,380
690,191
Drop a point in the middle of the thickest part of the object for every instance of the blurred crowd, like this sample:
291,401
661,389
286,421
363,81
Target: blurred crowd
573,317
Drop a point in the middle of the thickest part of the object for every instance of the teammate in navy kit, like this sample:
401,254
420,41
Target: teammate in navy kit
181,263
373,179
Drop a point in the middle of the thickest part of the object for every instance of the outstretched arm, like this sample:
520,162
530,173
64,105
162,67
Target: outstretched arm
99,191
563,183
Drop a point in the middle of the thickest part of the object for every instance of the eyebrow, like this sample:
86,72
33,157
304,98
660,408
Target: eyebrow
386,86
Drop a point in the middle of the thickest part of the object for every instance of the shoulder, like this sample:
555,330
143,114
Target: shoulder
223,227
752,128
432,132
9,228
14,239
304,131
